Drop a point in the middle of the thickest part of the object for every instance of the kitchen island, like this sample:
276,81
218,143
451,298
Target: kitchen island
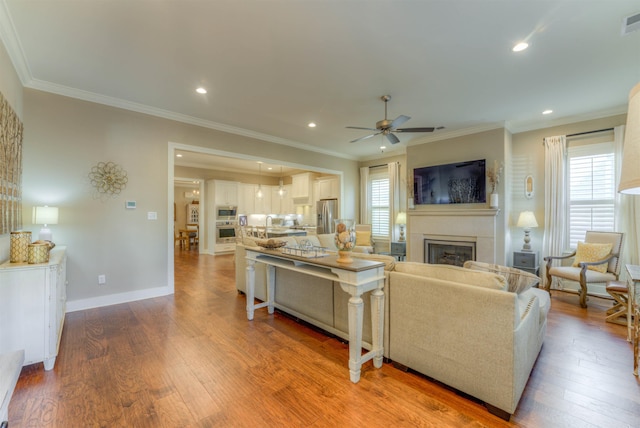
282,232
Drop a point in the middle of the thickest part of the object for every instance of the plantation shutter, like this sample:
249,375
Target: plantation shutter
380,205
591,190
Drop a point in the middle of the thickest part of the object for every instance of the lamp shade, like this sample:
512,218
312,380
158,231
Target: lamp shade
401,218
630,172
45,215
527,220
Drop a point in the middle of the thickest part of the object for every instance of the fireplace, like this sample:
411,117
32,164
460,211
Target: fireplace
448,252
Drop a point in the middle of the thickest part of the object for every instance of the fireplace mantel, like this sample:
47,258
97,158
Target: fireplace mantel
475,224
491,212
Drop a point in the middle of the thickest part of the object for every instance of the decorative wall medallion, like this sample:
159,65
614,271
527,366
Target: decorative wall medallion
108,179
10,168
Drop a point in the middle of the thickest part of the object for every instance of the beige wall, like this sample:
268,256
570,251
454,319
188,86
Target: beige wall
491,145
65,137
528,158
11,88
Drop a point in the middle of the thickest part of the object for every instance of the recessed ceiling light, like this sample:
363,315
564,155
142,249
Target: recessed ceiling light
201,90
548,111
178,155
270,168
383,147
520,46
311,125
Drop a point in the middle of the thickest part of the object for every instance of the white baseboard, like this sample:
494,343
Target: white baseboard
116,299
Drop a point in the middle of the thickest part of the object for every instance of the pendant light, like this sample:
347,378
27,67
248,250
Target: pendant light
259,193
281,190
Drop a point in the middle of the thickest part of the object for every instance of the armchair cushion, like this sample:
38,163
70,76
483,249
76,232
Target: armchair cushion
363,238
517,279
591,252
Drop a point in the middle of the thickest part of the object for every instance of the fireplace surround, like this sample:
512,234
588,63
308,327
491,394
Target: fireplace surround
448,252
476,225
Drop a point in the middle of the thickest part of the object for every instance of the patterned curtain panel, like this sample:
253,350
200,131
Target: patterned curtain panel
10,169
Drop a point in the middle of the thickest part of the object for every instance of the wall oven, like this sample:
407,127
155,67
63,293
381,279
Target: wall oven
225,233
226,212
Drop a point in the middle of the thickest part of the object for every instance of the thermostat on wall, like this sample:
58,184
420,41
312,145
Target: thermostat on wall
130,205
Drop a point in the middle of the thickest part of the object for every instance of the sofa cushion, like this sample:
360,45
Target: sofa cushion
592,252
453,273
327,240
517,279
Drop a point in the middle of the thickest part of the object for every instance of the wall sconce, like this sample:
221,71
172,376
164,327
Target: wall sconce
401,220
45,215
527,221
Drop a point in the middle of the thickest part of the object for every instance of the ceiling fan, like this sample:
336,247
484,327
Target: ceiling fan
388,127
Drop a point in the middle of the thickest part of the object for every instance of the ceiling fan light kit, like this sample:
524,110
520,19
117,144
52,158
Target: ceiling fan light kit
387,127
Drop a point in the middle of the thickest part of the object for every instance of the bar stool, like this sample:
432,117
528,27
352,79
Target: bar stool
620,292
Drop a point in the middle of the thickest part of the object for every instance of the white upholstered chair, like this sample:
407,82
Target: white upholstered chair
581,273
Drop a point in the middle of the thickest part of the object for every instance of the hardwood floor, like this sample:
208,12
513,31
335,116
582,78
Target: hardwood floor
193,359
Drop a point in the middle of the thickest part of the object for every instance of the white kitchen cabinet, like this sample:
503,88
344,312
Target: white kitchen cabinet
251,204
247,198
302,188
282,205
226,192
32,307
328,188
263,205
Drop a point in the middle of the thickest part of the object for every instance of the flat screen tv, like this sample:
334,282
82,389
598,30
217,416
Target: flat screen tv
454,183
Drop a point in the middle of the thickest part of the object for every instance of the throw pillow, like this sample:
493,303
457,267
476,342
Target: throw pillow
363,238
517,279
591,252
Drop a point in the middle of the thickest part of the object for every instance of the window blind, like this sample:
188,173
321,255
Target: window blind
380,206
591,190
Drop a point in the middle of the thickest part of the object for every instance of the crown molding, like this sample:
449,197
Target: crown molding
12,45
166,114
516,127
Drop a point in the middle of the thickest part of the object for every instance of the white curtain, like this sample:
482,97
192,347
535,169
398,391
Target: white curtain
627,212
394,198
364,195
555,191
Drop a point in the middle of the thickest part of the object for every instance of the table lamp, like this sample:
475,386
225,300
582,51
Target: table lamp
527,221
401,220
45,215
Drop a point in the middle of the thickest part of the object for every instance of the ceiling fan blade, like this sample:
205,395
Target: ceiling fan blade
393,139
365,137
399,121
415,130
358,127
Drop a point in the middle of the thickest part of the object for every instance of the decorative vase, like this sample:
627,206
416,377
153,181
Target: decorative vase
345,239
494,200
20,241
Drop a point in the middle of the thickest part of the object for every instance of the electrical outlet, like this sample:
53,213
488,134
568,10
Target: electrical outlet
102,279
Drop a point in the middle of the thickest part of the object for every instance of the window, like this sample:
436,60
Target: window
379,185
592,193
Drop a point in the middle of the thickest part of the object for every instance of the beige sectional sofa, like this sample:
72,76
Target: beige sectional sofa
459,326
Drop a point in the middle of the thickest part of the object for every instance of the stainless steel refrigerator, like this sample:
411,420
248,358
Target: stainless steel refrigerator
327,211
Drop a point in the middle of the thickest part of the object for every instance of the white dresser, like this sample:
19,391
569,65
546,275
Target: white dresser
32,307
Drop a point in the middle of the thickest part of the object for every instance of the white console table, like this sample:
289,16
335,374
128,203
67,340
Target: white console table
32,307
355,278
